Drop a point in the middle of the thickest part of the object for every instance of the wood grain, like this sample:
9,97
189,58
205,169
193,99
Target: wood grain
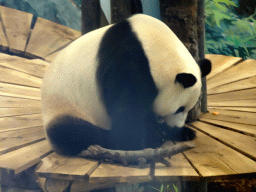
212,158
3,40
51,57
13,140
180,167
17,27
242,143
241,71
12,102
234,95
19,91
10,112
236,103
21,159
247,83
48,36
21,121
231,116
110,173
18,78
56,185
23,65
220,63
241,128
68,168
245,109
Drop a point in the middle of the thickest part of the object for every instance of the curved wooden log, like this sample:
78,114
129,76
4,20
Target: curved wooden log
140,157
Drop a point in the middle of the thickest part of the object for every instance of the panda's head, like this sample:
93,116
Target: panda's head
176,74
175,101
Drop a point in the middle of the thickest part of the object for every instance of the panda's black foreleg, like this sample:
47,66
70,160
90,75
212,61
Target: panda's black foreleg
180,134
128,131
70,135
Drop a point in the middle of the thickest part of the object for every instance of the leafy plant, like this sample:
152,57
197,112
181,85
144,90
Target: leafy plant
226,32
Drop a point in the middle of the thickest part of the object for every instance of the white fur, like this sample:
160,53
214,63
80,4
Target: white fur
69,85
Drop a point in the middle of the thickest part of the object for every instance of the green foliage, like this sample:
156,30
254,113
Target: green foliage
226,32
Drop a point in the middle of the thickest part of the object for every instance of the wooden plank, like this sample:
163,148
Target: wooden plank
234,86
21,121
180,167
10,112
68,168
234,95
245,109
13,140
220,63
212,158
241,71
48,36
242,143
40,62
57,185
10,90
21,159
236,103
17,27
110,173
81,186
8,75
3,40
242,128
12,102
231,116
51,57
23,65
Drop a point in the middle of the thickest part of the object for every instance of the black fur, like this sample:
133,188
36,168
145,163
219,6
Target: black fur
205,66
70,135
186,79
128,91
127,86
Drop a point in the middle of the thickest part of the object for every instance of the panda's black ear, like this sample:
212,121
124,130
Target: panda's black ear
186,79
205,66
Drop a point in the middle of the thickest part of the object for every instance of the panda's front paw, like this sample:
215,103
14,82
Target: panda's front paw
187,134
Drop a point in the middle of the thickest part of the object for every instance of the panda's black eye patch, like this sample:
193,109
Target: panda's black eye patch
181,109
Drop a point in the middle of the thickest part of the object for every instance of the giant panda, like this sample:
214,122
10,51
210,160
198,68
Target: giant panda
119,86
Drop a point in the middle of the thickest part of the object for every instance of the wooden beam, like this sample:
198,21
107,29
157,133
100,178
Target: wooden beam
17,27
244,144
214,159
247,83
220,63
21,121
11,112
19,91
67,168
12,102
26,66
241,71
13,140
12,76
19,160
48,36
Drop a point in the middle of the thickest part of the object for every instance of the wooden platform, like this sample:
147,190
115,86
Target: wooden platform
226,143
